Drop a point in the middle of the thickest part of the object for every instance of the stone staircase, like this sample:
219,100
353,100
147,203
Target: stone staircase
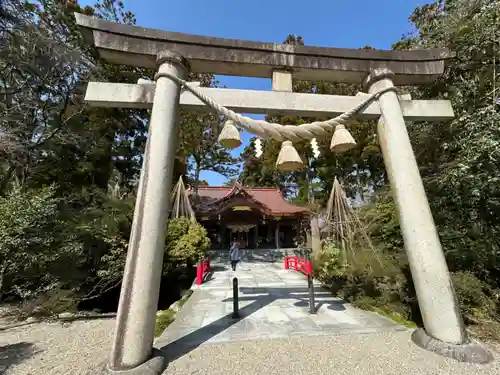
257,255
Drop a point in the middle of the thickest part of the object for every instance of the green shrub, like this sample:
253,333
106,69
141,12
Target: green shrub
163,319
329,263
187,243
373,281
473,296
384,229
34,255
381,281
365,302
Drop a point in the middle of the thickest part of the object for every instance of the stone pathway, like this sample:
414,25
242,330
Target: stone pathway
273,304
277,335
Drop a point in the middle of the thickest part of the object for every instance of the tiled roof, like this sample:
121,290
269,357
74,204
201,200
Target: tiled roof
269,197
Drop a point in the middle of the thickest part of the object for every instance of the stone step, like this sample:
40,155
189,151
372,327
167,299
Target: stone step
261,255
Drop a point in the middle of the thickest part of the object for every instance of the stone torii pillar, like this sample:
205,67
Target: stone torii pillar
134,335
444,327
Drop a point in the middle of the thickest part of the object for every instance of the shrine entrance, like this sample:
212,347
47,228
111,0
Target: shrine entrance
173,55
244,229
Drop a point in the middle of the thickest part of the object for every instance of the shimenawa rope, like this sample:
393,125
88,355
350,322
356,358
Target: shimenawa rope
279,132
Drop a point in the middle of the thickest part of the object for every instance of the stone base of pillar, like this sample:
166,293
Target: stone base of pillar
472,352
153,366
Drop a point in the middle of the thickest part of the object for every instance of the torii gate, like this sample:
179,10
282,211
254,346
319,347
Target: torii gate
173,54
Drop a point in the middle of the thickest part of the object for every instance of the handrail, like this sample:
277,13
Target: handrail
298,264
202,270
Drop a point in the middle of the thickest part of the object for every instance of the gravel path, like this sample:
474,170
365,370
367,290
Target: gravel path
55,348
371,354
74,348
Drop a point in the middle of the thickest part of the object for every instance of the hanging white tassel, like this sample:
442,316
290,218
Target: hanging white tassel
315,148
258,148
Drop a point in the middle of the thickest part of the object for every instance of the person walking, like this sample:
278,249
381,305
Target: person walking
234,254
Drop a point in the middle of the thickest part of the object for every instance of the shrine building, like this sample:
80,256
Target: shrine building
259,218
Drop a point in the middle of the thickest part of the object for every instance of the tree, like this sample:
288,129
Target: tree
40,69
49,136
203,183
33,253
459,160
199,141
211,157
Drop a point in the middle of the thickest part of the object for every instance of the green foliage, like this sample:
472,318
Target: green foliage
459,160
330,262
34,250
163,319
473,296
187,242
103,226
389,290
74,236
383,222
199,141
24,219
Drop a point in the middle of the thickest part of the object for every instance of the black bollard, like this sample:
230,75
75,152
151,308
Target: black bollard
310,284
312,307
236,310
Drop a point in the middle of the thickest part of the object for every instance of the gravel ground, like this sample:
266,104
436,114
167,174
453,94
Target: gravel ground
74,348
55,348
372,354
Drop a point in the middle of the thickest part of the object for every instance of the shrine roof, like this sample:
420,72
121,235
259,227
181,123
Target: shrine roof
271,198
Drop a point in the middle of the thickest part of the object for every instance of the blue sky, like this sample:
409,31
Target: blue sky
329,23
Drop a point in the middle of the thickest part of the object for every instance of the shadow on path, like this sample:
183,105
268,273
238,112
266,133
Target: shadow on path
14,354
299,293
334,305
264,297
184,345
213,269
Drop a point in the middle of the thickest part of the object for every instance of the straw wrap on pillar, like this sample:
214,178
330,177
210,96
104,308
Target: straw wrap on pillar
229,137
342,140
289,159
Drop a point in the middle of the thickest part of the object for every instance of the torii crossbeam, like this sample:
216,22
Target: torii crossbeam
173,55
123,95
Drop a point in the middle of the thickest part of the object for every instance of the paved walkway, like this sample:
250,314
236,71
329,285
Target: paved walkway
273,304
276,334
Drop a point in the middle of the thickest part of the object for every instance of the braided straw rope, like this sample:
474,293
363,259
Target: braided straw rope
278,132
